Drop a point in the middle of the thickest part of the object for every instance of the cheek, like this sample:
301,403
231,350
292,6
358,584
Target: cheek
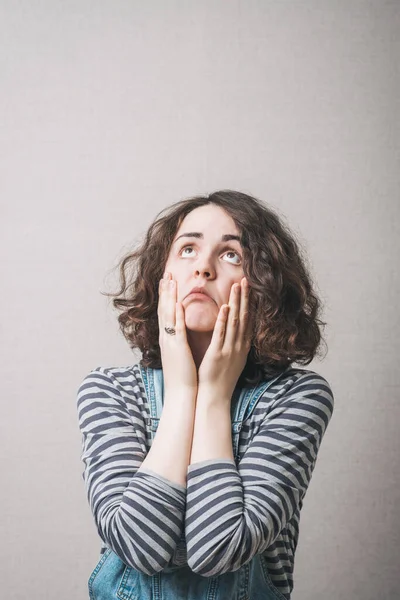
175,272
175,267
227,292
229,287
170,267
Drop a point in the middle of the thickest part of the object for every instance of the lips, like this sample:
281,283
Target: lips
199,290
201,297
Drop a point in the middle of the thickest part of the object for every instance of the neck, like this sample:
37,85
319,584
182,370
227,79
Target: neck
198,343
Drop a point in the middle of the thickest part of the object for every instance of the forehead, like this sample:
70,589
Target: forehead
209,218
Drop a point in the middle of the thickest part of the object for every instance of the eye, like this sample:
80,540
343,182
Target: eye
236,253
185,248
225,250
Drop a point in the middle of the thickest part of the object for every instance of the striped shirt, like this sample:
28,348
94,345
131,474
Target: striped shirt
228,512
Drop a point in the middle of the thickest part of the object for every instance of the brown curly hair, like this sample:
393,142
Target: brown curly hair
286,328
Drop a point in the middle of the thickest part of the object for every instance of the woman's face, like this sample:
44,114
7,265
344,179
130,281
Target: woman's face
201,258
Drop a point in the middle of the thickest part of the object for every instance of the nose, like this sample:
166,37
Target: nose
205,270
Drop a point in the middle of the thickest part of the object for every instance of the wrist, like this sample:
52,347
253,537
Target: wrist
181,395
211,395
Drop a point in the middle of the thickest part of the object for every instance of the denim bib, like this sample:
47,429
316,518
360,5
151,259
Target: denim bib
113,580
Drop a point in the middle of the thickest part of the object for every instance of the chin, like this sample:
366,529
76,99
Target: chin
201,317
202,324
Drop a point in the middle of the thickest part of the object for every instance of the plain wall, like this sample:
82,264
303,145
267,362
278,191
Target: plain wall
110,111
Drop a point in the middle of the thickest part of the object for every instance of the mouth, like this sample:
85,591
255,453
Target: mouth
199,296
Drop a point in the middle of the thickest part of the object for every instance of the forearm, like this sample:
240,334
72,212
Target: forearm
212,435
170,451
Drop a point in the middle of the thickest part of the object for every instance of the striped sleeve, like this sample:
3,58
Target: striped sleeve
235,513
139,515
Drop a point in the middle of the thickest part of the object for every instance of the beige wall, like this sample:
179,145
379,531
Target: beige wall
109,112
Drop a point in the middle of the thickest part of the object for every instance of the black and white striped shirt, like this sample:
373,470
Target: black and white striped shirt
228,512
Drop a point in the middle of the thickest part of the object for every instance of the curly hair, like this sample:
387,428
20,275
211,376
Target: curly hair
287,327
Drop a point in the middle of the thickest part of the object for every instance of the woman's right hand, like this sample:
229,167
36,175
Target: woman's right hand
179,369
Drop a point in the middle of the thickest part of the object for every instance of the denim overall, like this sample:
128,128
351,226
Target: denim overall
113,580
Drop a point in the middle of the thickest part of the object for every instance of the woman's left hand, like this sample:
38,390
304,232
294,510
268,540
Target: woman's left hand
227,353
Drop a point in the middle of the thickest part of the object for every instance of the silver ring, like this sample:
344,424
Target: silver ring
170,330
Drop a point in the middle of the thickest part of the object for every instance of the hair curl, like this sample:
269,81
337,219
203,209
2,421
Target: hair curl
287,327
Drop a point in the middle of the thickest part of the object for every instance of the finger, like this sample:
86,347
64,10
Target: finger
232,326
180,325
161,295
167,302
218,336
170,303
248,336
168,307
244,315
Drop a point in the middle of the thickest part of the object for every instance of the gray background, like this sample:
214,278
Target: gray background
110,111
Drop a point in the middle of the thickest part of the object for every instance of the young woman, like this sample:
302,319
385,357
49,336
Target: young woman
197,458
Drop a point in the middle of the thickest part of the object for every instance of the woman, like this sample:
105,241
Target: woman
197,459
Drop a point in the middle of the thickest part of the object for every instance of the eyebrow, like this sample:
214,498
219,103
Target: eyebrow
195,234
